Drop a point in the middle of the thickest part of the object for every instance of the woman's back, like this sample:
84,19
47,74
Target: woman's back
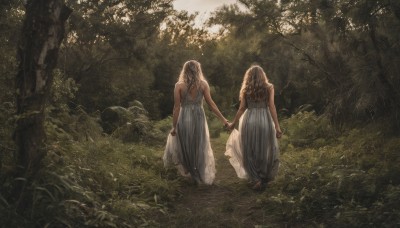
256,104
253,148
191,95
188,144
192,131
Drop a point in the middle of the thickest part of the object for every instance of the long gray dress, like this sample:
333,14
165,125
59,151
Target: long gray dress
253,150
190,149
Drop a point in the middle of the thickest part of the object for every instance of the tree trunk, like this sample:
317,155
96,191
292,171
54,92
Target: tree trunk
43,31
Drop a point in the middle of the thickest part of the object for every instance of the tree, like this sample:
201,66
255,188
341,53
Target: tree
43,31
10,17
339,56
179,41
110,50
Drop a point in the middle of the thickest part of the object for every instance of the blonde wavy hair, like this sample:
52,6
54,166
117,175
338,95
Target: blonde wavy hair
191,74
255,84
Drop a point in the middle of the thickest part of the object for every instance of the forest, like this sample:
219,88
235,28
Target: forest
87,96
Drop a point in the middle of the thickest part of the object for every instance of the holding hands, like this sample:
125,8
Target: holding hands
228,126
231,126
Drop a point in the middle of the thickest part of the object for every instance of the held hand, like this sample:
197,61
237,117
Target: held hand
226,125
231,126
173,132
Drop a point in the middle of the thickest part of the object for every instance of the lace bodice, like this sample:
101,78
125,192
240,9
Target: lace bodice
188,100
256,104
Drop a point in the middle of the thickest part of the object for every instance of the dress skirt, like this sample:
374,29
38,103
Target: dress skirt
190,150
253,149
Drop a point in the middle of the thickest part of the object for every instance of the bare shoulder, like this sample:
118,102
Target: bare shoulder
270,87
179,85
204,84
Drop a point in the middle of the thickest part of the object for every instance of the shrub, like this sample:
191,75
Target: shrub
347,181
306,129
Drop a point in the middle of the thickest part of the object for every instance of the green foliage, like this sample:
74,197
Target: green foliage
215,126
97,181
306,129
348,180
340,57
10,23
110,52
77,125
164,125
63,91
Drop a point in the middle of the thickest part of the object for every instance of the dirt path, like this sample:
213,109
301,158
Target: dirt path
227,203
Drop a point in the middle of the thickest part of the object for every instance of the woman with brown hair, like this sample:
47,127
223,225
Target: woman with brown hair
253,148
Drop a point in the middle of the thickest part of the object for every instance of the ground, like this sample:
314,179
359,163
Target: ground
229,202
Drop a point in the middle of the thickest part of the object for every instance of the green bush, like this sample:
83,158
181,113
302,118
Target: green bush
347,180
90,178
306,129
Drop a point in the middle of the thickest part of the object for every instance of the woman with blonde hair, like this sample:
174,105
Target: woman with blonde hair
188,144
253,149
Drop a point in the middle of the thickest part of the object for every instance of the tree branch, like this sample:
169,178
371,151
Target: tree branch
310,59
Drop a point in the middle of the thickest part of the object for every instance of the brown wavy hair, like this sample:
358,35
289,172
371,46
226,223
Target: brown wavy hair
255,84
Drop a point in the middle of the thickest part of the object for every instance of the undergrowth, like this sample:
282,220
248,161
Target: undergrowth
92,180
345,178
327,178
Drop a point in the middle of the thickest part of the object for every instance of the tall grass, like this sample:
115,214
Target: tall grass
328,178
92,180
346,178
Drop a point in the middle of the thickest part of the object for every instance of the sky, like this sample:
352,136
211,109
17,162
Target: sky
204,7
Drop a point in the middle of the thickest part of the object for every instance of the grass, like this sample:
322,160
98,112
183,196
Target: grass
327,178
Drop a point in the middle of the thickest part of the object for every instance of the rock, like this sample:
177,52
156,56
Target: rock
128,124
132,131
137,111
136,103
114,117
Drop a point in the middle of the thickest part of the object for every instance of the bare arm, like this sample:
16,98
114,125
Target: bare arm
239,113
272,109
177,107
211,104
